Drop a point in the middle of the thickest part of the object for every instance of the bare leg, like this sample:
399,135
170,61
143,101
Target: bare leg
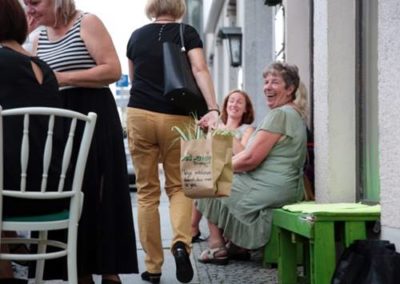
6,270
216,252
215,239
196,217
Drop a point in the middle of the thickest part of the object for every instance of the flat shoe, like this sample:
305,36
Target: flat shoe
13,281
109,281
151,277
217,256
198,238
184,269
237,253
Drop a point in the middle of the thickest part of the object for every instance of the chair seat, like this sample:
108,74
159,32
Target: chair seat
58,216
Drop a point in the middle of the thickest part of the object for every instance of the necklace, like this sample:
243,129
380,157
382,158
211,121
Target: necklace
159,20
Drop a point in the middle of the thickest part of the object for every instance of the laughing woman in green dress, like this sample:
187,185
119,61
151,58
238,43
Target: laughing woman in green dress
268,172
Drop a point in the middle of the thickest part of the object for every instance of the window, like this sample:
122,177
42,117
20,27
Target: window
279,32
367,101
194,15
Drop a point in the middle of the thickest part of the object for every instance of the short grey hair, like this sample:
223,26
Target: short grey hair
290,75
288,72
173,8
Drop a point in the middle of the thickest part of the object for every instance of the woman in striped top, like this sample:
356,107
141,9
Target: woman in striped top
79,49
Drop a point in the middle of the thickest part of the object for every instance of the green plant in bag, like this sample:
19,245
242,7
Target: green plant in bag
190,132
193,131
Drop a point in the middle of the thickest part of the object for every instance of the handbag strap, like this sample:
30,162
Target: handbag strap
181,28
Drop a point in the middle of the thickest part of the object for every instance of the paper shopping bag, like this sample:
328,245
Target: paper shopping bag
206,166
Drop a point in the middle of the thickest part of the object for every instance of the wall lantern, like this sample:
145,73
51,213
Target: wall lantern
234,36
273,2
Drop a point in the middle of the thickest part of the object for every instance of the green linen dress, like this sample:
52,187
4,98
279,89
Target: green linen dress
245,216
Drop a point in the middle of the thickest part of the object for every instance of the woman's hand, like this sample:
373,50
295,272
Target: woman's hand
209,120
32,23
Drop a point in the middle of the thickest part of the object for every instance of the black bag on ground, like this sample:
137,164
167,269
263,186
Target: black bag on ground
179,83
368,262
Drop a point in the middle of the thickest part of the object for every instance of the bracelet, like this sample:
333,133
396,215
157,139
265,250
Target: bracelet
214,109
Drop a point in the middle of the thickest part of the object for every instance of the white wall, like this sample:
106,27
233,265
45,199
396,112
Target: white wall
256,20
334,100
389,119
298,39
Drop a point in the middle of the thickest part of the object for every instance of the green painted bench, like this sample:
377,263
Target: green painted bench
313,227
271,250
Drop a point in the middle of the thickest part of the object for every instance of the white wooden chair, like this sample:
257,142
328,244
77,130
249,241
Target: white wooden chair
67,219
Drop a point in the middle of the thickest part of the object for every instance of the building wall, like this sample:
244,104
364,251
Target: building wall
334,100
256,21
334,89
389,119
334,84
298,41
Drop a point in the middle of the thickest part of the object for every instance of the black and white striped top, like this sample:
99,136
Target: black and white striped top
66,54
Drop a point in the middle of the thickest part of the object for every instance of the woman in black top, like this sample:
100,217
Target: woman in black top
24,81
150,117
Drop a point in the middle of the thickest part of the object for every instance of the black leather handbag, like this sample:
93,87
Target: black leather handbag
179,83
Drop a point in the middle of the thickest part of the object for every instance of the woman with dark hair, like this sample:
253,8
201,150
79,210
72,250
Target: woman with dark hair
25,81
268,173
237,115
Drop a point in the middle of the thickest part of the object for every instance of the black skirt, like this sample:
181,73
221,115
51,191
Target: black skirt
106,236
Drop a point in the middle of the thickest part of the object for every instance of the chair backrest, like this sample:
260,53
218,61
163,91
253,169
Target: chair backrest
48,135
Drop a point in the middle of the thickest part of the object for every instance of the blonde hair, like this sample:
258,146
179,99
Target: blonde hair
173,8
301,100
64,10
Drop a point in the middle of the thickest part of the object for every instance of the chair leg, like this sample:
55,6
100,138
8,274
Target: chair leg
72,257
72,269
40,263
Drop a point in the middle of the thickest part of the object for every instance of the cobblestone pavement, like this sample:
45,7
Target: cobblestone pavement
235,272
251,272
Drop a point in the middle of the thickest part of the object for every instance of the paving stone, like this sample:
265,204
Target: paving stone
251,272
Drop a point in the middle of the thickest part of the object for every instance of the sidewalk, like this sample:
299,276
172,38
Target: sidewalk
251,272
235,272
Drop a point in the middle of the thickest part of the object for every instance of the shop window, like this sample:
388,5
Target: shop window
367,101
279,33
194,15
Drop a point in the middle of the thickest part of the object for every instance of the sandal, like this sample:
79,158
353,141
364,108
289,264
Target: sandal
217,256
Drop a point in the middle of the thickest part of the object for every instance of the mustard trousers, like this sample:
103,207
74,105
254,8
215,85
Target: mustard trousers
152,141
